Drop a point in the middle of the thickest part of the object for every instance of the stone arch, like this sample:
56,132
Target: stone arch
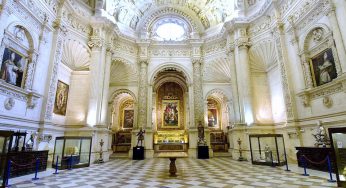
225,106
306,36
19,40
157,13
28,31
116,100
170,66
120,91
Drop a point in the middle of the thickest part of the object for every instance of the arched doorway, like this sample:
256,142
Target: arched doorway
218,120
170,111
123,120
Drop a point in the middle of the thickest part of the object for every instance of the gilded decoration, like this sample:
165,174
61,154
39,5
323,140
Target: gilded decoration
170,113
127,114
214,115
170,106
60,103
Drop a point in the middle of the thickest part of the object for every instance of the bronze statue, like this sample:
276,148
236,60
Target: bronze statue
201,139
140,137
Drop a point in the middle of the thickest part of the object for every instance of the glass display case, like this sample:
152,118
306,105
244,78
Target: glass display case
338,144
268,149
72,151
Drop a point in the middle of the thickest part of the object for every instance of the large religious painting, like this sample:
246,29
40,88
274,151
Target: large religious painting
128,118
212,117
13,67
170,113
323,67
61,96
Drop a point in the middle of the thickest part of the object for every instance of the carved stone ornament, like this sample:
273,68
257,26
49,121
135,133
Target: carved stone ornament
336,86
317,34
9,103
327,102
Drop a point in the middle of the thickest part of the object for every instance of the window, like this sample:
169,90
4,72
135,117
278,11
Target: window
170,29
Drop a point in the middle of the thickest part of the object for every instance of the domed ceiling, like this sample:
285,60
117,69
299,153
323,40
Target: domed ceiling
209,12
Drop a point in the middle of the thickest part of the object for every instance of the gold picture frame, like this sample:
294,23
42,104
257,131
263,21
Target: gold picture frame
322,67
170,114
61,96
128,118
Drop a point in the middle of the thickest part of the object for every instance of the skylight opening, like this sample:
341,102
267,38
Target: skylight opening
170,32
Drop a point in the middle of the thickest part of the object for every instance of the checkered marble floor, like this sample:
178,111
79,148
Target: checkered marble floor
216,172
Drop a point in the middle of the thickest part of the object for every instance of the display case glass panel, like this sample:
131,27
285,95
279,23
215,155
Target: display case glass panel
338,143
73,151
267,149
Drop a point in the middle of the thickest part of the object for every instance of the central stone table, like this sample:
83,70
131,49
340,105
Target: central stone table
173,157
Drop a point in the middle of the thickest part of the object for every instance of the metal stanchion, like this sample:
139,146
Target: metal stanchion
304,165
8,173
330,170
36,169
56,165
70,167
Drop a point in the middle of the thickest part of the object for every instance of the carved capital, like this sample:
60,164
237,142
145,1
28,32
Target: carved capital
95,42
144,63
242,43
196,61
58,26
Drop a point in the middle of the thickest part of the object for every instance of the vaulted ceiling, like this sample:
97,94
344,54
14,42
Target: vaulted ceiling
208,12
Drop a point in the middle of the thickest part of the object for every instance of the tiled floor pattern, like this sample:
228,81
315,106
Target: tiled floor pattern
216,172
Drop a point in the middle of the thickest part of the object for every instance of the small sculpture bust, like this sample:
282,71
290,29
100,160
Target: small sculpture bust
140,137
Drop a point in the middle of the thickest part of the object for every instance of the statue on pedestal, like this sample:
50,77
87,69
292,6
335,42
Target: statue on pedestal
140,137
321,136
267,153
201,139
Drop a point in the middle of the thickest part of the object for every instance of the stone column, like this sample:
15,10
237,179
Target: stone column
288,91
105,89
303,70
238,118
55,59
340,47
142,95
98,54
198,92
243,76
149,130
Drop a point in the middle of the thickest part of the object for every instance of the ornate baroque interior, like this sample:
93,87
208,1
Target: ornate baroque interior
106,68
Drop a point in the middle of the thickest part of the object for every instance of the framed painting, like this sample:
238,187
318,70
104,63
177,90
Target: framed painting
13,67
170,115
323,67
128,118
212,117
61,96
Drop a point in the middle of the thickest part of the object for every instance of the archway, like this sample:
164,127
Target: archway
123,120
170,112
218,119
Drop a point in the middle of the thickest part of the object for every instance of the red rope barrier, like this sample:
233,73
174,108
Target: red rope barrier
23,165
316,163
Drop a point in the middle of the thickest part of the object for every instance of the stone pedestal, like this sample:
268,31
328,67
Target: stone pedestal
138,153
203,152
